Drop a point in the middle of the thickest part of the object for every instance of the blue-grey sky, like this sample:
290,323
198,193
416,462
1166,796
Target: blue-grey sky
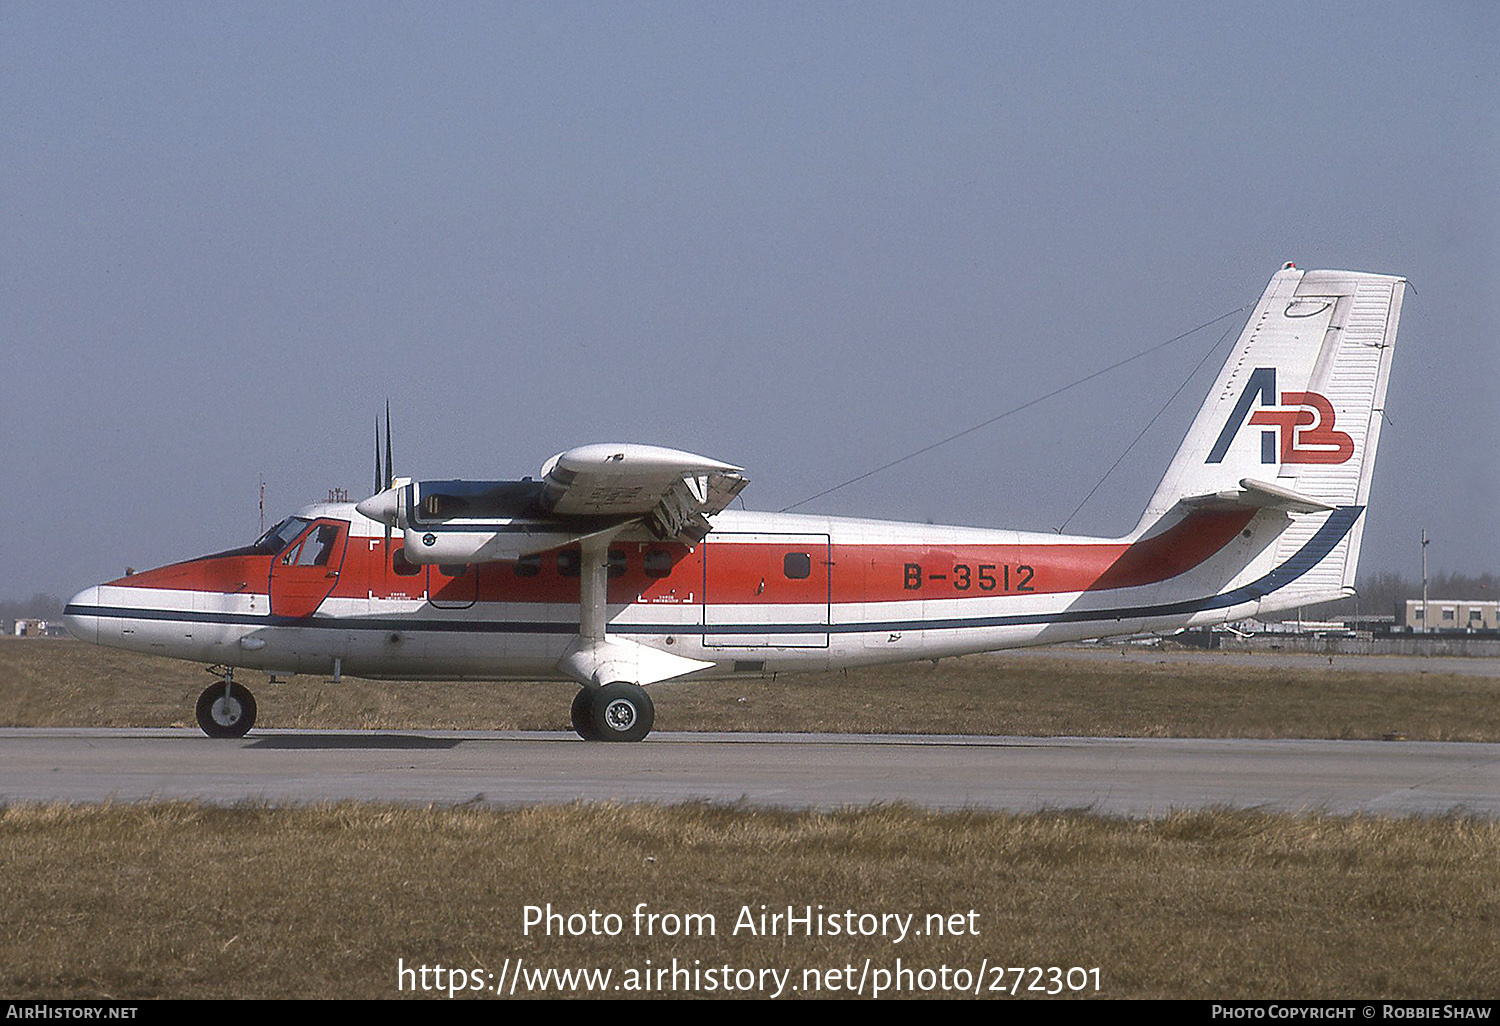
803,237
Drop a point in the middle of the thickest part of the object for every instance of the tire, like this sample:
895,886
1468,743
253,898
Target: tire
583,714
221,717
622,712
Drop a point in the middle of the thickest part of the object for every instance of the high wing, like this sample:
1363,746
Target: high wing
674,491
607,489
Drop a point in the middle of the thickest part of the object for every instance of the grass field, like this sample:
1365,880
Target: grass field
181,900
66,683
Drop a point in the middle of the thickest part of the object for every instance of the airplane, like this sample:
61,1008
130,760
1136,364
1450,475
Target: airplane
621,565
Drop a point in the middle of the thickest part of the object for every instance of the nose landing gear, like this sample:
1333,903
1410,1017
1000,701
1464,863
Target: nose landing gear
226,709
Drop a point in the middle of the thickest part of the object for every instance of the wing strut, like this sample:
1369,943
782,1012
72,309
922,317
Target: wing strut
597,657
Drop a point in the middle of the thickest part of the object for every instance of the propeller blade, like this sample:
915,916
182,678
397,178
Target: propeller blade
378,475
390,469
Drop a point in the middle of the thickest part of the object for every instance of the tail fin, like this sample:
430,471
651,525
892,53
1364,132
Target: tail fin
1293,420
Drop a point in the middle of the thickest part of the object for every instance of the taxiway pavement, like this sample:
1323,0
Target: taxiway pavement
1118,776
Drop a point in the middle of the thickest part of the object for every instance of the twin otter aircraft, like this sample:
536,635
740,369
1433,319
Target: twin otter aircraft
621,566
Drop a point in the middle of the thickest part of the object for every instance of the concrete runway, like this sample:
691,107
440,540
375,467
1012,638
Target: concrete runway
1119,776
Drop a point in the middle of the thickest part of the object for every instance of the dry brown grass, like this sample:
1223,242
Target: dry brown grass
65,683
178,900
183,900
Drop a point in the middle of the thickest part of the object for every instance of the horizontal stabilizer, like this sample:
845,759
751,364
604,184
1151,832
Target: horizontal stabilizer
1257,495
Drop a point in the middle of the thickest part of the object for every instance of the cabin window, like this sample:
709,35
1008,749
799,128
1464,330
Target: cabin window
658,563
617,562
403,566
528,566
797,565
567,563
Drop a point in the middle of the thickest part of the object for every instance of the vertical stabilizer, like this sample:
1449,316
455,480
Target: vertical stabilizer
1298,408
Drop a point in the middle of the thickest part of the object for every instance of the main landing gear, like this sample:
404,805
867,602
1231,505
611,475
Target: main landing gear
617,710
226,709
614,712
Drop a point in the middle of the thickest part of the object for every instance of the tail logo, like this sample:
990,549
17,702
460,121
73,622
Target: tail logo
1303,420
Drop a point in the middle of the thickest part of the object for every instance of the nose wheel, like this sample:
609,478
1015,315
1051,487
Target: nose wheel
226,709
614,712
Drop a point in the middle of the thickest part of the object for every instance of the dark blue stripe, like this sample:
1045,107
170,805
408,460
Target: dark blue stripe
1262,386
1338,524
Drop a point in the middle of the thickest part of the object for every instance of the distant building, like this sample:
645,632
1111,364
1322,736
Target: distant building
1448,615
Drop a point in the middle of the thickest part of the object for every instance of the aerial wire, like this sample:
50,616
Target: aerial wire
1017,409
1194,373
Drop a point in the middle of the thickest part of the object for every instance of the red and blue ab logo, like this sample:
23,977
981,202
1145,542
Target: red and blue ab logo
1303,420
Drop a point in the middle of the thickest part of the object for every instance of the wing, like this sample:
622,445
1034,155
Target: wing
614,489
674,491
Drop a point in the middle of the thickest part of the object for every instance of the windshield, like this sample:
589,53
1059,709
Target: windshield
276,539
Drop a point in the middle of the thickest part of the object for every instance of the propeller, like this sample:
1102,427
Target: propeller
382,504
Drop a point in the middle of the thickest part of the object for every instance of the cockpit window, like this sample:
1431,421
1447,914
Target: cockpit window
318,547
277,538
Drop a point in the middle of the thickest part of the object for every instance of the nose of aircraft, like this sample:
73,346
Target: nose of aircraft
79,618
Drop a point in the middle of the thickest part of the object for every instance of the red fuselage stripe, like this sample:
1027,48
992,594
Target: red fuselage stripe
756,573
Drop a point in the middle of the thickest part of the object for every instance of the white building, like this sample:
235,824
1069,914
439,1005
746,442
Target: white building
1448,615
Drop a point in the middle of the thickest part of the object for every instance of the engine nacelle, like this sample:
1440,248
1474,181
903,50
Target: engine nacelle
477,544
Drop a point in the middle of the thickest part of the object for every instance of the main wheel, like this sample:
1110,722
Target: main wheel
583,714
622,712
222,715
